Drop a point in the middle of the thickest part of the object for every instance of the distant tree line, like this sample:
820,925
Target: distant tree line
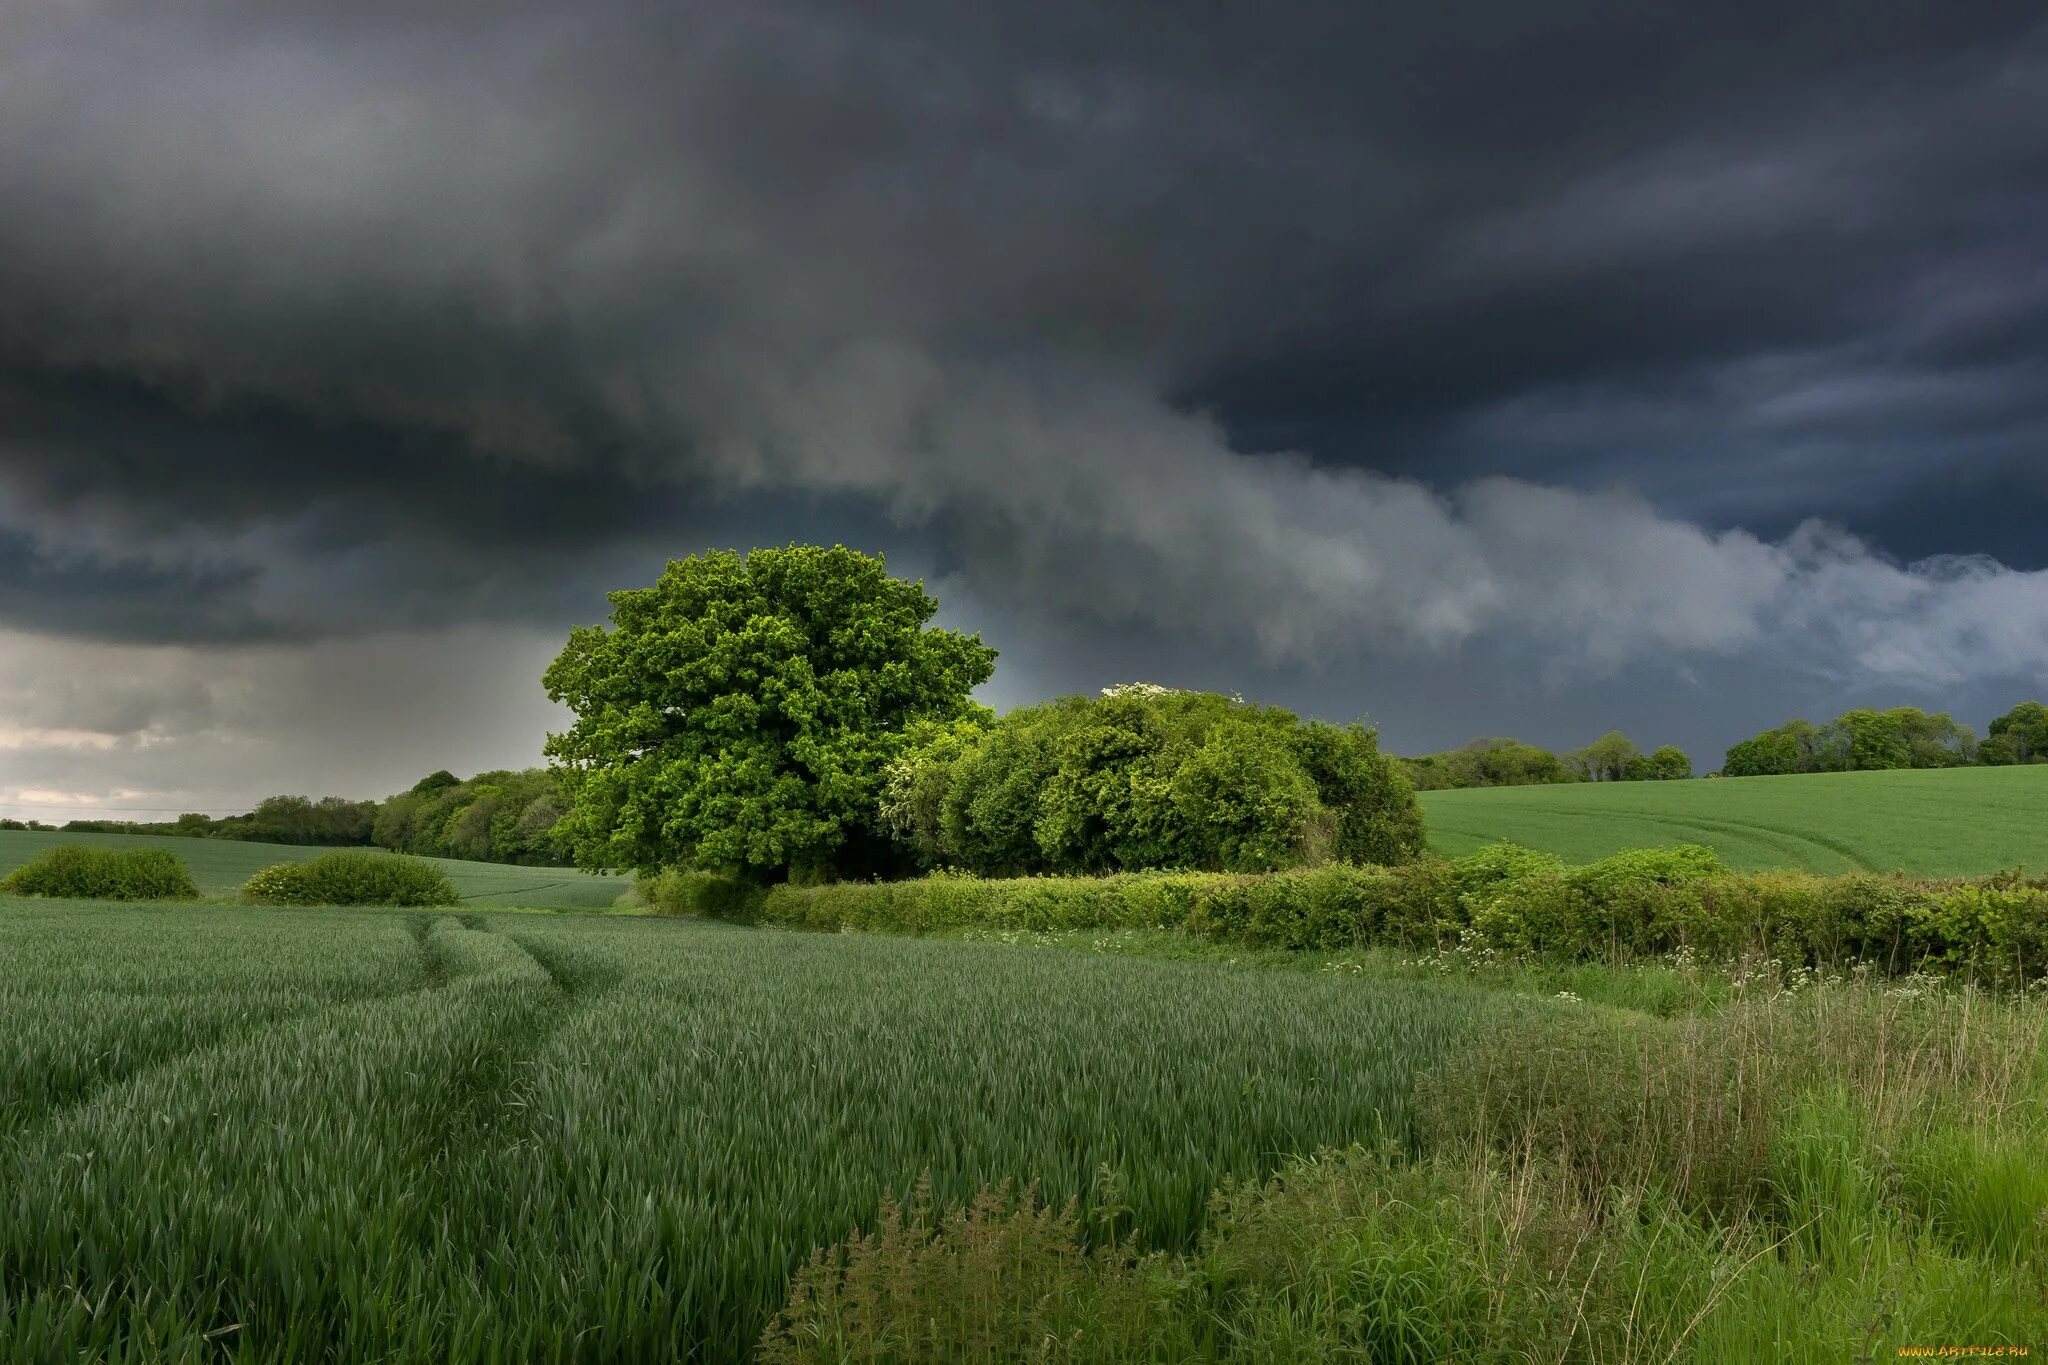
1902,737
329,820
498,817
494,817
1511,763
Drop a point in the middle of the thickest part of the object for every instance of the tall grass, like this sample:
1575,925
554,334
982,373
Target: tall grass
1827,1174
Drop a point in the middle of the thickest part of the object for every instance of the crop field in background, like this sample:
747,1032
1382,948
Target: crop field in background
271,1134
1948,822
221,866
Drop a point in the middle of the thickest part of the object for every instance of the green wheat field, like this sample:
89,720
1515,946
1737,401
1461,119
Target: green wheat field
1939,822
407,1136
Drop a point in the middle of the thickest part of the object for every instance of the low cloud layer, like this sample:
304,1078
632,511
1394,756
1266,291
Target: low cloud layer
1359,348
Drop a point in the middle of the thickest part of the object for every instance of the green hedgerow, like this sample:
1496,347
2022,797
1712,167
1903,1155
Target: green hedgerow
107,874
352,877
683,891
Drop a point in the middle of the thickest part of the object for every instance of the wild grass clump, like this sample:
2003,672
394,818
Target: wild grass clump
1696,1108
1005,1277
1358,1254
109,874
352,877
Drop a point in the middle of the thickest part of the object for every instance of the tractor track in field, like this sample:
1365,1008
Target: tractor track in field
102,1083
1789,840
433,976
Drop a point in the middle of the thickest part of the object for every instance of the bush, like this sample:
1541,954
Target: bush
107,874
1147,778
352,878
680,891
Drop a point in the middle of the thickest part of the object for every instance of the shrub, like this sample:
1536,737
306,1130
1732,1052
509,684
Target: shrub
108,874
1147,778
682,891
352,878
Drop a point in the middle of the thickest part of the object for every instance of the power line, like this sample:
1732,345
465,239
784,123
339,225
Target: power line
90,810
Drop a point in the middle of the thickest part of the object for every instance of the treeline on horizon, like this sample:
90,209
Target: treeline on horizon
1855,741
1501,762
495,817
1865,740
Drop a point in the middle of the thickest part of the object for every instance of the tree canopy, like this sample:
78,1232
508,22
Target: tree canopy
1488,763
739,714
1149,777
2018,736
1855,741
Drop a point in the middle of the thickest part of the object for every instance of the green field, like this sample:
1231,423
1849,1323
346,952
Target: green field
1950,822
524,1138
220,866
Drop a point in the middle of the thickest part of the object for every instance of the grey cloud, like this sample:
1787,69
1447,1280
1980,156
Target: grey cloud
1339,333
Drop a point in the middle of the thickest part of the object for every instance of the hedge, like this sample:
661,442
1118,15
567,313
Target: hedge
1640,903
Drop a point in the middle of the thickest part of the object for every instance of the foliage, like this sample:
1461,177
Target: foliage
1488,763
2018,736
1668,764
1629,906
331,820
676,891
352,877
111,874
1148,777
1510,763
1861,740
497,817
739,714
1606,759
301,820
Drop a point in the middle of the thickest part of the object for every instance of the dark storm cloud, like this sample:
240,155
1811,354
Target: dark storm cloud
318,319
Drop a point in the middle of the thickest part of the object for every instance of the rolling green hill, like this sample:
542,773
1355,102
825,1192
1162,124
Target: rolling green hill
1950,822
220,866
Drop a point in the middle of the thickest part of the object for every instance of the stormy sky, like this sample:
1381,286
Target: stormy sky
1477,368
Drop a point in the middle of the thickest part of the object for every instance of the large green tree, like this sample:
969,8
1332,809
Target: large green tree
739,715
2019,736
